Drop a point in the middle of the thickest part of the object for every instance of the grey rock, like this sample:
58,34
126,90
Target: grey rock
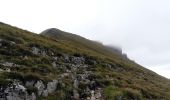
29,83
8,70
51,86
75,84
8,64
55,58
92,95
43,53
76,94
66,58
35,50
45,93
54,64
1,70
78,60
65,75
40,87
15,91
31,97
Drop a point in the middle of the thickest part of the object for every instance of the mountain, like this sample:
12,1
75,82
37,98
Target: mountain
57,65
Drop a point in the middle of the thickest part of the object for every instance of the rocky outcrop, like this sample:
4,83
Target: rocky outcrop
15,91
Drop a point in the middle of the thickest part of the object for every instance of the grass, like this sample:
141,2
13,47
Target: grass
126,78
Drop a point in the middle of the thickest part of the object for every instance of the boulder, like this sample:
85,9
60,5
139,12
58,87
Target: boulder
35,50
51,86
75,94
54,64
8,64
40,87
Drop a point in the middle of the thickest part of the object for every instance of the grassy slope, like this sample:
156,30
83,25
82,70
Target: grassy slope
133,78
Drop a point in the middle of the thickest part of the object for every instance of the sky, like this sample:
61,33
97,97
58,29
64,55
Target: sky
140,27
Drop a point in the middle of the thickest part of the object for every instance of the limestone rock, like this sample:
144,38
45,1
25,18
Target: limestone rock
45,93
29,83
40,87
76,94
51,86
35,50
31,97
54,64
8,64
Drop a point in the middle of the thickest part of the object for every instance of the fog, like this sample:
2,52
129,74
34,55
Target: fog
139,27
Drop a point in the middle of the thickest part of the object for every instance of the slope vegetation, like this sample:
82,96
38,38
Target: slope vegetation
57,65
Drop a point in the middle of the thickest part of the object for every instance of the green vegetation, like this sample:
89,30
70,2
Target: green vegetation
119,77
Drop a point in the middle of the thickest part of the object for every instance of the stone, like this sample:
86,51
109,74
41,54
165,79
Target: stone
54,64
66,58
51,86
12,43
78,60
75,94
8,64
7,70
35,50
29,83
25,57
75,84
108,65
45,93
43,53
65,75
55,58
98,95
31,97
40,87
1,70
15,91
92,95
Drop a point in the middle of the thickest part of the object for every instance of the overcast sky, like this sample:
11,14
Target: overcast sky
140,27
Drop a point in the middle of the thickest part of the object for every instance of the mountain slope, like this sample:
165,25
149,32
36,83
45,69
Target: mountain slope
62,66
81,43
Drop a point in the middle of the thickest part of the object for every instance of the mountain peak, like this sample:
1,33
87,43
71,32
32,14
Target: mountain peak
51,30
